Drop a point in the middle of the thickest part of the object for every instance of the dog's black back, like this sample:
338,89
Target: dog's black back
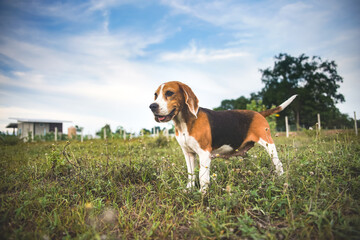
228,127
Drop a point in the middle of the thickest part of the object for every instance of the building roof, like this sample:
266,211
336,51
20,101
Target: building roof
39,120
12,125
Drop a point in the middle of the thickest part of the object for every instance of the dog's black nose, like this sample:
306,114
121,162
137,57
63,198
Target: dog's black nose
154,107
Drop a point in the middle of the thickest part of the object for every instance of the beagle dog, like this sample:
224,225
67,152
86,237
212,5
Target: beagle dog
211,134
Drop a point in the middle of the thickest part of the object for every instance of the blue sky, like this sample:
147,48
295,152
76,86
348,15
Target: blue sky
98,62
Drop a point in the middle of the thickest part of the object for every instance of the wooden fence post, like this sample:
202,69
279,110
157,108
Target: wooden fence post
82,135
355,124
56,132
167,133
104,133
319,122
287,126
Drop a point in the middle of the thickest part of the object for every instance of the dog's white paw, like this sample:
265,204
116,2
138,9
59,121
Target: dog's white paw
279,169
190,184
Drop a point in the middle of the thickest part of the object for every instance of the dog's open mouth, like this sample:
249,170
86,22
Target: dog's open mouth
166,118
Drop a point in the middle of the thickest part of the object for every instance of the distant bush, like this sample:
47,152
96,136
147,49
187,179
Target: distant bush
309,132
48,137
159,141
9,140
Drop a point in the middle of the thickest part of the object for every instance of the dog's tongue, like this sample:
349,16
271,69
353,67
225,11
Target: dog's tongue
161,118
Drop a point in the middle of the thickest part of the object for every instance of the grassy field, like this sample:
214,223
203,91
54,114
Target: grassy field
135,189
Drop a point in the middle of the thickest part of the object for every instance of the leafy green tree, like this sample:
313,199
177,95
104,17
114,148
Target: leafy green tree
157,129
120,130
172,129
229,104
315,81
107,130
145,131
119,133
78,129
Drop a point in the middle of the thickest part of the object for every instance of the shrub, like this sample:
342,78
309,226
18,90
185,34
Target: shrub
9,140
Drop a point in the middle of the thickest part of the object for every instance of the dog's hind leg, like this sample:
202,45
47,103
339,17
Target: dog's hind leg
271,149
260,132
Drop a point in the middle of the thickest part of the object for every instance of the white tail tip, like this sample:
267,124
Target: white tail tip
287,102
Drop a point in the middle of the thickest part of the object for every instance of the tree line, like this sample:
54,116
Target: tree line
315,81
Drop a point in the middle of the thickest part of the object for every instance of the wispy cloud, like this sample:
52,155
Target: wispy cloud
202,55
227,14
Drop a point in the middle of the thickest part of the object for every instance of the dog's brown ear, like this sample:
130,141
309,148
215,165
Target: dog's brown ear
190,99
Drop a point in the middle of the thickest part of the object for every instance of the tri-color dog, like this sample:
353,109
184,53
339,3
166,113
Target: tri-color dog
211,134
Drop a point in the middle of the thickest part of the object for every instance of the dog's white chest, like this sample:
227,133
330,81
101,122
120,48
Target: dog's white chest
187,142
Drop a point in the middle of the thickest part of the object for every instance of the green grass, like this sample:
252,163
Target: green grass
135,189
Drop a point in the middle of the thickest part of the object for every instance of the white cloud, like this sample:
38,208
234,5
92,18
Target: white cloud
89,74
264,26
220,13
200,55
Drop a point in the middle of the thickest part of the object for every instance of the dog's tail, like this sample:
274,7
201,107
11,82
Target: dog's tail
278,108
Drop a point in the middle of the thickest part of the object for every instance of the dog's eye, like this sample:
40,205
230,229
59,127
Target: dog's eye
169,93
155,95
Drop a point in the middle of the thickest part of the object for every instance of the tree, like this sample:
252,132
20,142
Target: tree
315,81
155,130
145,131
79,129
107,130
120,130
228,104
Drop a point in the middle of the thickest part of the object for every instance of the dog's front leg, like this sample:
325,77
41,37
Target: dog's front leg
204,174
190,163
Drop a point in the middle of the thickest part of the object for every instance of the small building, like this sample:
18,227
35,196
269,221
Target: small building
33,127
71,132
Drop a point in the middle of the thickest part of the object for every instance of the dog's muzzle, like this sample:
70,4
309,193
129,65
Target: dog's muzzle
154,107
161,118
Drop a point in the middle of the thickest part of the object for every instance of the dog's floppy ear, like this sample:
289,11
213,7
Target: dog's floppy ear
190,99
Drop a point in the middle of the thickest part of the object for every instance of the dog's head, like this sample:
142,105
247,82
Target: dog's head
171,98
